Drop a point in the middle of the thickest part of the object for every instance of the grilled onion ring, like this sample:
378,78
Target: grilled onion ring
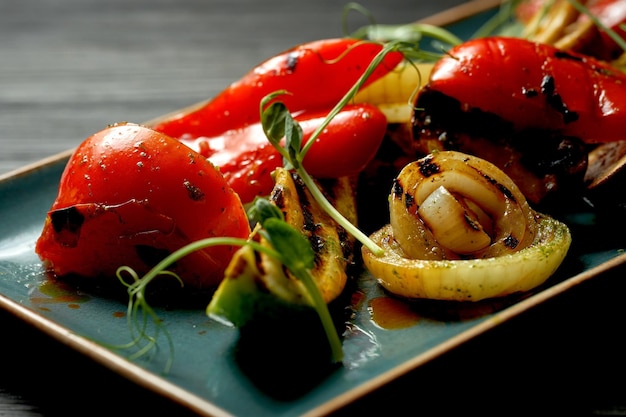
461,230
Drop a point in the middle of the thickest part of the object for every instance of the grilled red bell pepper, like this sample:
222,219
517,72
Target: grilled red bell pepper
535,86
316,74
246,158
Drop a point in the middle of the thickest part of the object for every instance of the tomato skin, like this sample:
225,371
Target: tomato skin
129,196
535,86
246,158
316,74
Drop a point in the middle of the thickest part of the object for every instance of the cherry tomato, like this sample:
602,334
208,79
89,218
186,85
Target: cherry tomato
130,196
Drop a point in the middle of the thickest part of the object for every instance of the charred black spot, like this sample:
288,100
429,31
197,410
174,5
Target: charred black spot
565,55
309,223
193,192
278,197
67,220
555,100
428,167
504,190
292,62
471,222
347,247
317,244
409,200
547,85
150,255
396,188
511,242
67,224
529,92
305,204
507,193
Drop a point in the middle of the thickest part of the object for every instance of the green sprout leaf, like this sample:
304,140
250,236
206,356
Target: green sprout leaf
261,210
295,251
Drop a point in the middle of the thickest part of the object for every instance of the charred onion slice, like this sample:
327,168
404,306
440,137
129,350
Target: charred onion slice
471,279
461,205
460,229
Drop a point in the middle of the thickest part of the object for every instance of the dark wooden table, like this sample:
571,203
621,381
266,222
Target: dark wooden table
70,67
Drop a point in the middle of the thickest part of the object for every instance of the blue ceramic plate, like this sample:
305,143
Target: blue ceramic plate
207,374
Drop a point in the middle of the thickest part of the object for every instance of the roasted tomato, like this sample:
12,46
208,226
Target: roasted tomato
130,196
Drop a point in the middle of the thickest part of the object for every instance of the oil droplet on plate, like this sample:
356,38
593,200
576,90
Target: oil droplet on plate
390,313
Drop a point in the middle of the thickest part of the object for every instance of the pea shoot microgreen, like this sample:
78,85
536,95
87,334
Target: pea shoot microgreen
286,245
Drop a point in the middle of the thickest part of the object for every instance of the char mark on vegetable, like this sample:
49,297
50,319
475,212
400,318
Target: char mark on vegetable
529,92
428,168
193,192
554,99
347,247
505,191
471,222
317,244
565,55
409,200
511,242
396,189
309,222
292,62
67,224
278,197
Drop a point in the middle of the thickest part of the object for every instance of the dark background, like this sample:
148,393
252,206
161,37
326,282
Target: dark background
70,67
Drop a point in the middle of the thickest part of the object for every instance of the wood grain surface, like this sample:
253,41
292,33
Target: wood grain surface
70,67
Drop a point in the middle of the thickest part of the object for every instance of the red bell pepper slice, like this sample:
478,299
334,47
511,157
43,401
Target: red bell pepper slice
544,88
316,74
246,158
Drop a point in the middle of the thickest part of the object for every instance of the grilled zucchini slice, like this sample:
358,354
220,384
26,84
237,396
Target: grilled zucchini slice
256,284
